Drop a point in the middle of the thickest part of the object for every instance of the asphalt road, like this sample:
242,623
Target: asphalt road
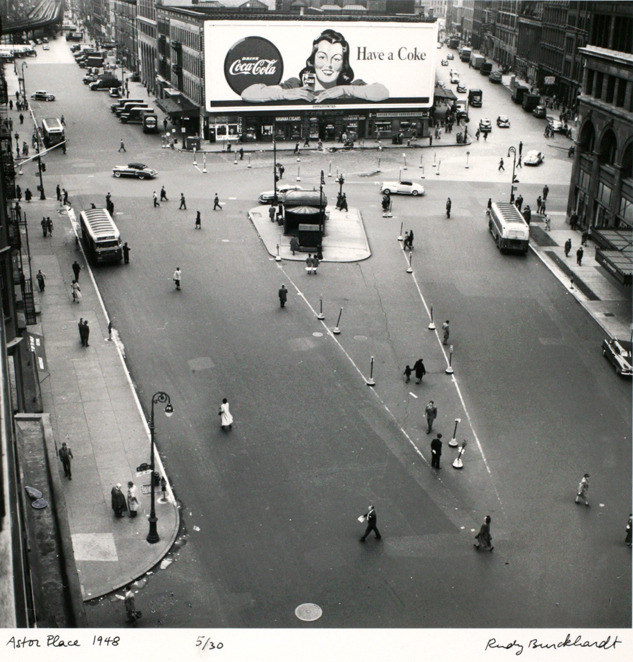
269,509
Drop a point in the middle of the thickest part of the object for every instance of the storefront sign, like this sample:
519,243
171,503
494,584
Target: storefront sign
251,65
549,80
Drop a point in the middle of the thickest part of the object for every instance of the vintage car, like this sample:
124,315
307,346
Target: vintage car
461,89
138,170
444,63
485,125
267,197
618,353
540,112
495,77
404,187
41,95
533,158
503,121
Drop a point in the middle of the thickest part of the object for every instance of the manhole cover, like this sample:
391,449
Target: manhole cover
317,334
308,612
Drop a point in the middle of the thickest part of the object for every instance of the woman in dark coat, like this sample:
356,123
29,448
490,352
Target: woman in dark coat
420,370
119,504
483,538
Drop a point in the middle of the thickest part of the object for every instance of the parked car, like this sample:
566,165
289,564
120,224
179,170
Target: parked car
461,89
135,77
138,170
41,95
46,47
403,186
495,77
89,78
533,158
485,125
115,93
540,112
555,126
618,353
267,197
454,77
450,56
444,63
503,121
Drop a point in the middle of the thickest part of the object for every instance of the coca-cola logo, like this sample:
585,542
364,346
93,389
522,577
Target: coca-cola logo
253,60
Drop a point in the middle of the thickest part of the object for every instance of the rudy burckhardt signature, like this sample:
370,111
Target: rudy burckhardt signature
517,647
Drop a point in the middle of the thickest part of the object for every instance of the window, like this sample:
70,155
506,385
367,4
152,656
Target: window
604,194
611,80
625,214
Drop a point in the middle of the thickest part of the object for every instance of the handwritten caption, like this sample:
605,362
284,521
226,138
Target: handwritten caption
517,647
57,641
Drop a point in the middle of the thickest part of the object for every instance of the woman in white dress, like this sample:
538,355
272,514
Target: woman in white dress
226,420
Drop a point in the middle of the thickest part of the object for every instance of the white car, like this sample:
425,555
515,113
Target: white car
454,77
405,187
267,197
503,121
533,158
138,170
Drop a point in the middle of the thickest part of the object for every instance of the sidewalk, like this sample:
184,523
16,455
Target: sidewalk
94,408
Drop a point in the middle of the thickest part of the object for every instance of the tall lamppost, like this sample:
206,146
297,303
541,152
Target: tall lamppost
21,80
274,163
341,181
513,151
321,211
160,397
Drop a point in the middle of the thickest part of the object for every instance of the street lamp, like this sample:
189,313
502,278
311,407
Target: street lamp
341,181
160,397
513,151
274,163
21,80
321,214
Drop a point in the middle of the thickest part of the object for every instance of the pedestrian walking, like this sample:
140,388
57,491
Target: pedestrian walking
407,244
132,499
75,291
119,505
49,225
573,221
86,334
62,120
283,296
545,191
430,412
44,224
282,169
371,519
296,148
155,199
567,247
41,280
446,330
240,151
165,122
579,253
519,202
64,196
543,207
183,203
177,277
477,134
343,206
489,204
27,194
520,162
627,539
21,118
449,204
407,374
548,223
520,147
163,194
294,244
126,253
198,225
420,370
485,136
501,167
18,192
216,203
122,146
66,455
80,326
226,420
309,264
436,451
131,613
76,270
527,214
484,538
583,488
18,211
539,204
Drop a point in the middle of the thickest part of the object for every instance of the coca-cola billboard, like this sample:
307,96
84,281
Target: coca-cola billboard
252,60
286,65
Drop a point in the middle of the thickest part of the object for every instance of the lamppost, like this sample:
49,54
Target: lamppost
513,151
21,80
341,181
321,213
160,397
274,163
40,167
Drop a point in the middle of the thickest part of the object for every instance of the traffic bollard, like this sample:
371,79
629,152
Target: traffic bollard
329,169
467,157
434,159
410,268
404,157
437,172
400,237
204,163
449,370
194,157
458,464
371,381
249,161
336,330
320,315
298,174
432,324
453,442
278,257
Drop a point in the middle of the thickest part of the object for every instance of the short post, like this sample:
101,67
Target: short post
336,330
449,370
421,159
437,172
320,315
194,157
404,157
249,160
410,268
298,158
434,159
400,174
432,323
235,160
378,164
298,174
400,237
458,464
371,381
329,169
278,257
453,442
467,157
204,163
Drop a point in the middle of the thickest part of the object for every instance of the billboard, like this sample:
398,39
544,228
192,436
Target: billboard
291,65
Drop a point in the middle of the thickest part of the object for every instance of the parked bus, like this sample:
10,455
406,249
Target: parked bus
52,131
100,235
508,227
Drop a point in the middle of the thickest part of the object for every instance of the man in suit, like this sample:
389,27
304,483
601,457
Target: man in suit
436,451
66,455
370,518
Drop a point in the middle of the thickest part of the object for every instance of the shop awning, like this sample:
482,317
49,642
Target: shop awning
177,107
442,93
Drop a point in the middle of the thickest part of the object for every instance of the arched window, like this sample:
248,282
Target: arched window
608,147
627,162
587,137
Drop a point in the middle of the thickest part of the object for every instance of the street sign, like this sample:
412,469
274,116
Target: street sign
549,80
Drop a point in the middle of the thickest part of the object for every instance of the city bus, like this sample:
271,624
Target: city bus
508,227
100,235
52,131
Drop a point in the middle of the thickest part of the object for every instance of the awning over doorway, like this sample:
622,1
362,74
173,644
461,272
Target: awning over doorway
177,107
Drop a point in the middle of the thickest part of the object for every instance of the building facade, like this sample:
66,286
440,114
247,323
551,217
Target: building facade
125,32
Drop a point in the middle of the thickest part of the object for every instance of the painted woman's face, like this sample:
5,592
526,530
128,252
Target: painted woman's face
328,62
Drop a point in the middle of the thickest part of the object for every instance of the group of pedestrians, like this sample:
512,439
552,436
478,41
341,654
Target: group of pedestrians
84,332
156,200
47,226
121,503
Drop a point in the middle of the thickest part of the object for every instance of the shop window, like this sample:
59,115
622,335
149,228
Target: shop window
625,215
604,194
601,217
